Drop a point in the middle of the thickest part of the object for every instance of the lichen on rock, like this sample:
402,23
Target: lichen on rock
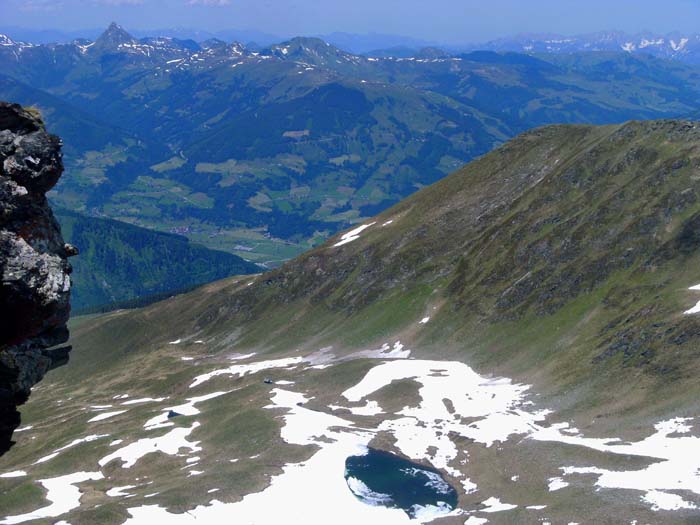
34,269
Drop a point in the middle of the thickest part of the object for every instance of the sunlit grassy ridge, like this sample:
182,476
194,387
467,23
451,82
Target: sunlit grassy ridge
564,254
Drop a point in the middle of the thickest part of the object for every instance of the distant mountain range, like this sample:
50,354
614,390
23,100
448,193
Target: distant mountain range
266,151
59,36
352,42
676,46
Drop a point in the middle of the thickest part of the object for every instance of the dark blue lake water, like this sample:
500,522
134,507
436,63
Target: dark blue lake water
382,478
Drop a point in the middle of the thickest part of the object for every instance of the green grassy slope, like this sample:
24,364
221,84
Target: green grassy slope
120,262
563,256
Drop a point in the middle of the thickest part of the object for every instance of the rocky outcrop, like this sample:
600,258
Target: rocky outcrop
34,270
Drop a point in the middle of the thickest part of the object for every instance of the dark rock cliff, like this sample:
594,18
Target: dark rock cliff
34,271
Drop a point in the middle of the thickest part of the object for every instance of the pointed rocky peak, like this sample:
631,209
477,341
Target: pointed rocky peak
238,49
113,37
6,41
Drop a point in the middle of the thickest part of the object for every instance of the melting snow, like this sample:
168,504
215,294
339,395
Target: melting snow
170,444
14,474
495,505
86,439
666,501
353,235
372,408
105,415
249,368
695,309
557,484
494,403
481,409
297,491
678,466
385,352
119,491
62,493
144,400
186,409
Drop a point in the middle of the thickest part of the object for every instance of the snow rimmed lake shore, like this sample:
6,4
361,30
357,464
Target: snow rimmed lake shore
454,401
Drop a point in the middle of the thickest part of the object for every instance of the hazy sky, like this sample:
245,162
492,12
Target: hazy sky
449,21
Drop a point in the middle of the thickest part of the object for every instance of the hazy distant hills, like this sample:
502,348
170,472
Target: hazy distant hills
352,42
265,151
676,46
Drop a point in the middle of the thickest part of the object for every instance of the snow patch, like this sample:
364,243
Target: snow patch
186,409
170,444
695,309
14,474
61,492
666,501
556,484
75,442
105,415
249,368
144,400
297,491
116,492
495,505
353,235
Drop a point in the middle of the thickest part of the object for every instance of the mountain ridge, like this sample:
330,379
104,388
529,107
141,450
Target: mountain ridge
304,168
675,45
402,248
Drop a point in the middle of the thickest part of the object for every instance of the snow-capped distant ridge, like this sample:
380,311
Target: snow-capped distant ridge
676,46
170,54
309,53
159,52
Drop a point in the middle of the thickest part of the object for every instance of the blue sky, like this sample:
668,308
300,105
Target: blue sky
447,21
